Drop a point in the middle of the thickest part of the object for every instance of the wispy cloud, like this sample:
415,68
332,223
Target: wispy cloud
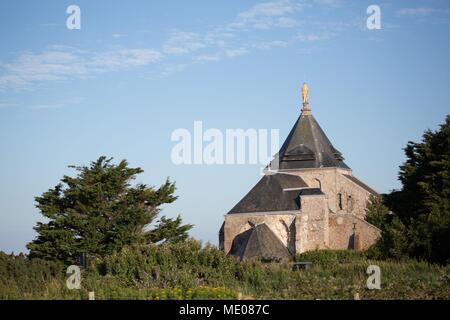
232,53
122,59
57,105
69,101
61,63
49,25
174,68
225,40
118,35
208,57
181,42
270,9
247,31
420,11
266,45
329,3
4,105
312,37
47,106
267,15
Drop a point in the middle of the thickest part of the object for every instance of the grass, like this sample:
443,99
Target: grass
190,271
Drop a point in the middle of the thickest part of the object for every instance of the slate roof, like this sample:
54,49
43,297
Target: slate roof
259,241
274,192
307,146
361,184
311,192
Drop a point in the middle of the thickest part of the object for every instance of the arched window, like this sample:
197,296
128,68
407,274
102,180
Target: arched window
340,205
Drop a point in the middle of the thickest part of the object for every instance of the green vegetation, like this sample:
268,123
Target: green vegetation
418,224
98,212
189,271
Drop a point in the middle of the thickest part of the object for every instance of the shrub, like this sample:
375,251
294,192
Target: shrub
192,271
19,274
330,257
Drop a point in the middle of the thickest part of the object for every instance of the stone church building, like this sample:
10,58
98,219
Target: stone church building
308,199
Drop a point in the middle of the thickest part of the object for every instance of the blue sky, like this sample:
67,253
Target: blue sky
138,70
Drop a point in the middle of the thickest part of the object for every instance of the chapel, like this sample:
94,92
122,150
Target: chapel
307,199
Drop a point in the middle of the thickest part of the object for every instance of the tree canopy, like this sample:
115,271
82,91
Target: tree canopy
420,224
98,211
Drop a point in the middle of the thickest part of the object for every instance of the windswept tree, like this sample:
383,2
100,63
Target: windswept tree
98,212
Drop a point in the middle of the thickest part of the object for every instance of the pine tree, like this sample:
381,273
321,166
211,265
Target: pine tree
98,212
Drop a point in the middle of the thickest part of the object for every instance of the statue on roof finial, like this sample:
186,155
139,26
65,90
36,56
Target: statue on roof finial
305,91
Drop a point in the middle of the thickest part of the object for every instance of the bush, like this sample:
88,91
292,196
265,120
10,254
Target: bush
330,257
21,277
169,265
192,271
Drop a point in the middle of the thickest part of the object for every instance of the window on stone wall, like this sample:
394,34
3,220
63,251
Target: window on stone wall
340,205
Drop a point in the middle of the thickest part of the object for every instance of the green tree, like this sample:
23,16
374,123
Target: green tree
98,212
393,241
423,203
376,212
169,230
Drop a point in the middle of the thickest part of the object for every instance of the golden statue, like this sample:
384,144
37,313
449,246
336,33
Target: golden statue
305,91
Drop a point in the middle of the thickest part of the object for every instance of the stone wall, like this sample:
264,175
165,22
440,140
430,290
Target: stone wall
312,224
344,196
343,226
326,180
324,221
282,225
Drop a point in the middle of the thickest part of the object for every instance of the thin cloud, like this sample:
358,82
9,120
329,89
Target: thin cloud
268,15
181,48
118,35
49,24
233,53
4,105
312,37
123,59
47,106
329,3
57,105
226,40
270,9
62,64
271,44
183,42
421,11
208,58
174,68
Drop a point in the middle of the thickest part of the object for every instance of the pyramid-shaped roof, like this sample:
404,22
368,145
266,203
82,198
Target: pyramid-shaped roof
307,146
259,241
